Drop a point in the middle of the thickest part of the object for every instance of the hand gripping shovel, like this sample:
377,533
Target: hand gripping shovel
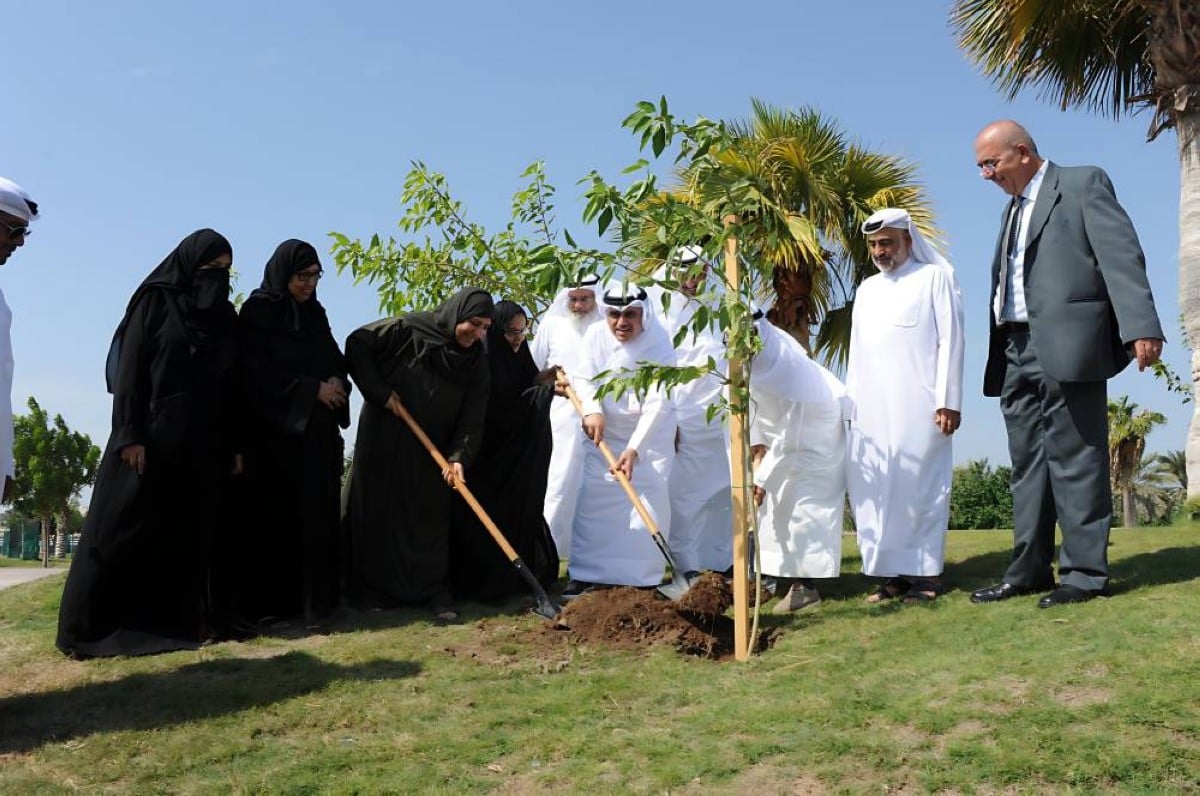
542,606
678,585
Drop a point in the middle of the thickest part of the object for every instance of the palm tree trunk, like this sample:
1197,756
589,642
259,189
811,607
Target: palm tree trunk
1188,131
1128,510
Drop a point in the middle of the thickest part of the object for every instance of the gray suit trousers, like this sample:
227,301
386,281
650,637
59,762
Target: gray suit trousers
1058,441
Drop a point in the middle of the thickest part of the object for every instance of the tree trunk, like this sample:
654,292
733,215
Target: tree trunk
60,544
1188,131
45,540
1128,510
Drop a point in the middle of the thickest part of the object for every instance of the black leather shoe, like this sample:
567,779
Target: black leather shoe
1066,594
1005,591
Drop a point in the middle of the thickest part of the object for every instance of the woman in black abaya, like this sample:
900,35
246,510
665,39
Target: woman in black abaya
397,515
296,385
137,583
509,474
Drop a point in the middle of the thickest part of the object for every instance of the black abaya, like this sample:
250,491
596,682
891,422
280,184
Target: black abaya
293,458
397,514
508,477
137,584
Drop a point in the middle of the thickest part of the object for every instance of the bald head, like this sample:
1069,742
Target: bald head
1007,155
1008,132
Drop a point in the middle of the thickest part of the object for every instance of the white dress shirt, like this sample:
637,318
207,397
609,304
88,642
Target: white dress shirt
1014,309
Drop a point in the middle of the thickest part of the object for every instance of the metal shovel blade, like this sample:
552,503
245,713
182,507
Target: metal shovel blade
675,589
544,607
678,585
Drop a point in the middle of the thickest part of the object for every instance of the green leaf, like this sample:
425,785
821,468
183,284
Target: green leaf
606,218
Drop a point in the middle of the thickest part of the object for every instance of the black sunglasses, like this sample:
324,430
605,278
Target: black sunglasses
17,230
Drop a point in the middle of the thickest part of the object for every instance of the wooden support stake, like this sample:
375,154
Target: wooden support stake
739,471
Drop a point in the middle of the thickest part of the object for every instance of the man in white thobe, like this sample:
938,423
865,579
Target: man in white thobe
798,446
16,211
905,381
558,342
610,543
701,532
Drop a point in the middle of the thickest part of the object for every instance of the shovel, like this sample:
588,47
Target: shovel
678,585
542,605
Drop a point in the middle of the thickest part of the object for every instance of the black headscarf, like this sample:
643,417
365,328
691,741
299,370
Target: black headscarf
290,257
203,302
512,371
433,332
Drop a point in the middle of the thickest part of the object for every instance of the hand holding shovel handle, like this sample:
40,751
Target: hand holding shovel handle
678,585
542,605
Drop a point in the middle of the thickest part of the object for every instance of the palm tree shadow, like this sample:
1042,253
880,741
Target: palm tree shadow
162,699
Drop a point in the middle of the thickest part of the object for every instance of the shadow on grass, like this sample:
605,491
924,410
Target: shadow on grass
162,699
978,571
353,620
1157,568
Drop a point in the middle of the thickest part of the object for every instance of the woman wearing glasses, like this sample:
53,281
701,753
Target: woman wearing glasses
296,388
137,584
509,474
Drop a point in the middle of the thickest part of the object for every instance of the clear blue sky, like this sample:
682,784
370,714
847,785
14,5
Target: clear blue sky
133,123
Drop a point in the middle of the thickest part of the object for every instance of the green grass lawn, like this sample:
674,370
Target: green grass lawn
949,697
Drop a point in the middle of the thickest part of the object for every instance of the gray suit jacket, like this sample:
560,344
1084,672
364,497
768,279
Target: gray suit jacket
1085,282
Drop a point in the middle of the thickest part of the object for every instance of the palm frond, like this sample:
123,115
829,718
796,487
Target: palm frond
1084,53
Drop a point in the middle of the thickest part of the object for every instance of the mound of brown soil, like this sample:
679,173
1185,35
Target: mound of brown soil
626,618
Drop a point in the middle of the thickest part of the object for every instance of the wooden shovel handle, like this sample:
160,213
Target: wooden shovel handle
458,485
612,463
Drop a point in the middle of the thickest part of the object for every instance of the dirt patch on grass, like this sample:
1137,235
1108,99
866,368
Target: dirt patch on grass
765,779
1082,696
626,618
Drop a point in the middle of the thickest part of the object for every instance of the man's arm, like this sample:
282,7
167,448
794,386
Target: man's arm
1115,244
947,314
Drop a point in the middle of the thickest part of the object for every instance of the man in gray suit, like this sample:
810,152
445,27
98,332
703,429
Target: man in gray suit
1070,307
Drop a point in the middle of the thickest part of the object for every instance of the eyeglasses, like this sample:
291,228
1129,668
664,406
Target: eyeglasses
988,167
516,334
17,230
308,277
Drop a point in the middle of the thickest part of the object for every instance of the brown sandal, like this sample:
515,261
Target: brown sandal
924,591
891,589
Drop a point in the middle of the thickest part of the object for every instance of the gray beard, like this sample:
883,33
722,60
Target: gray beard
580,323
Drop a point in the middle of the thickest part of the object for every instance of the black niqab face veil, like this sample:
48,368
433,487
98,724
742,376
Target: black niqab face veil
178,270
176,274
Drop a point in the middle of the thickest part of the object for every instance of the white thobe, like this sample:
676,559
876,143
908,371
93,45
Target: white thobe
798,411
701,533
559,341
6,381
906,361
610,542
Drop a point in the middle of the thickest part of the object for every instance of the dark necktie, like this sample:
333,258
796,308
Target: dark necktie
1011,237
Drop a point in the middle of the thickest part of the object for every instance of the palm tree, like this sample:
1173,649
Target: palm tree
1107,56
1156,492
813,187
1171,469
1126,443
